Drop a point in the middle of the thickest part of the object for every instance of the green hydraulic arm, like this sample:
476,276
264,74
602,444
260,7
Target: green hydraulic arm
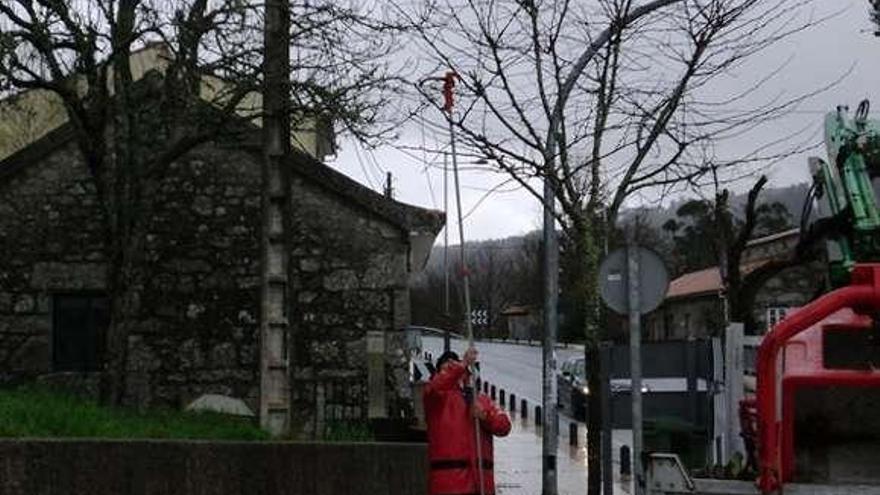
844,186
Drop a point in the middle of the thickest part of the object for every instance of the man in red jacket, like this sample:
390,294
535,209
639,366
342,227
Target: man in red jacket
452,419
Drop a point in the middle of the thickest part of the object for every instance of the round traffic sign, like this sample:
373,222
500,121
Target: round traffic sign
614,280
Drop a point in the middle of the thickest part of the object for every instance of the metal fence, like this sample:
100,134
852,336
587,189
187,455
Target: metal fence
340,404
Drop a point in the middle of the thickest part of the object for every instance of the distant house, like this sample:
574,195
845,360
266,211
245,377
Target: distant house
353,252
694,304
523,322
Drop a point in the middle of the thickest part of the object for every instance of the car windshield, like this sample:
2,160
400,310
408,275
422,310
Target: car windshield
580,368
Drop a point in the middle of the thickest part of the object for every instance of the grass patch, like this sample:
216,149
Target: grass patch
38,412
347,431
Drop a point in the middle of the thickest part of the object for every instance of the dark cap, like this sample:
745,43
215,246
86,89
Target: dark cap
446,356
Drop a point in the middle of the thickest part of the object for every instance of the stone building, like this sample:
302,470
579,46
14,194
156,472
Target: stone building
523,322
693,306
353,252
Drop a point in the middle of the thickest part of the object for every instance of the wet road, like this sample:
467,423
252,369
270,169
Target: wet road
513,367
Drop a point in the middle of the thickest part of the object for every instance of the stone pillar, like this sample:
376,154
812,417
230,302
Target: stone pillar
275,200
376,392
734,369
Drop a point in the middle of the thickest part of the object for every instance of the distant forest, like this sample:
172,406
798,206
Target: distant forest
507,272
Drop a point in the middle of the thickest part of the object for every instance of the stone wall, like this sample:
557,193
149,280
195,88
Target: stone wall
197,331
50,243
684,318
790,289
349,275
96,467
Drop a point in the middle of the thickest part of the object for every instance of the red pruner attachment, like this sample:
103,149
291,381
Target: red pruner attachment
448,87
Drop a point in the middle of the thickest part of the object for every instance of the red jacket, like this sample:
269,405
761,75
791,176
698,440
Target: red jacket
451,437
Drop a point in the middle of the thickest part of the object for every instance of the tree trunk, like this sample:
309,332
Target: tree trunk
126,286
588,306
594,417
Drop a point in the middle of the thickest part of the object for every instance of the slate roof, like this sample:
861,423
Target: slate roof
410,218
407,217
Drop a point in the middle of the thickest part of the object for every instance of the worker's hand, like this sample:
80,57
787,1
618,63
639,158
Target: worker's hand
478,411
470,356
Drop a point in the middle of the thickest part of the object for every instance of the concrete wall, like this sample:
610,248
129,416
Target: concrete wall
96,467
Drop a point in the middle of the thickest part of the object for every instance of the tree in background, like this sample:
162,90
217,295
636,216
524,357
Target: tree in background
129,131
713,233
635,107
503,273
875,15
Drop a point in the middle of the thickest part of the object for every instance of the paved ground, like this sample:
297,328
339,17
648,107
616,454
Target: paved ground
518,461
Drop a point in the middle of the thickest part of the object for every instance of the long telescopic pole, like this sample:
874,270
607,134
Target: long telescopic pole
446,336
449,83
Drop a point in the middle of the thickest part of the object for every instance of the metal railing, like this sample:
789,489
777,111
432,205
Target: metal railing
340,402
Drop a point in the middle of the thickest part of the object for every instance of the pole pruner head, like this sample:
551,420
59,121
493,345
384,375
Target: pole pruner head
448,87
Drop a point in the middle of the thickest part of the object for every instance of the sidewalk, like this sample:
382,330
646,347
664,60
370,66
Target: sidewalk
518,461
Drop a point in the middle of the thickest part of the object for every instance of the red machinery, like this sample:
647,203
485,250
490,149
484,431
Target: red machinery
793,358
816,370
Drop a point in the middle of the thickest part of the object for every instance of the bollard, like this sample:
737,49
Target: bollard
485,387
573,434
538,416
501,398
513,402
492,395
524,409
625,464
479,381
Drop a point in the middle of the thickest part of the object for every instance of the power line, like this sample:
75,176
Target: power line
371,158
425,168
360,160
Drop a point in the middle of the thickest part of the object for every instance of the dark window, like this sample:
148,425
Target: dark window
78,326
668,326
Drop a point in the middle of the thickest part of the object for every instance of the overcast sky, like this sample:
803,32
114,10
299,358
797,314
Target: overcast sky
841,45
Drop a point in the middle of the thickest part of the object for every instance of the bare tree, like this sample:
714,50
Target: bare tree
129,130
741,285
629,96
875,15
503,273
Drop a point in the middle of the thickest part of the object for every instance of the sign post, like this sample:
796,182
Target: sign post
635,360
633,282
